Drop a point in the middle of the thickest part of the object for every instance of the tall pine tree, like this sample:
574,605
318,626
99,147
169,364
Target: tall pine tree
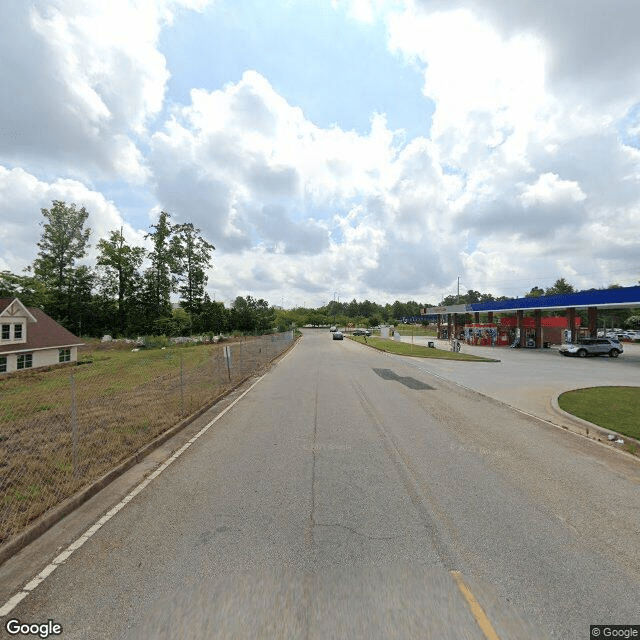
192,254
64,241
121,264
158,277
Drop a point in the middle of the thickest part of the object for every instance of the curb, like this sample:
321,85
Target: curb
570,423
591,430
57,513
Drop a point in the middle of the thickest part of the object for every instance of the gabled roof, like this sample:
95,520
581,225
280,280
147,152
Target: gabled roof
13,306
43,333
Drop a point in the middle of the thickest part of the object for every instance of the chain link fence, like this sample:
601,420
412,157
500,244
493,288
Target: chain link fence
64,428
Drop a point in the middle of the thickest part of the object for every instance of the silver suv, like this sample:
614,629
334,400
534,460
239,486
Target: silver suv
593,347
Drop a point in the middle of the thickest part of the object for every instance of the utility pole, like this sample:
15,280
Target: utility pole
458,289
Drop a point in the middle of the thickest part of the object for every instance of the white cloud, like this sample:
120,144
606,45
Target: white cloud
549,189
532,165
489,92
243,153
22,196
85,79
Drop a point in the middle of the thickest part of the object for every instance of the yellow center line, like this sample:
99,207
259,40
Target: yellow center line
476,609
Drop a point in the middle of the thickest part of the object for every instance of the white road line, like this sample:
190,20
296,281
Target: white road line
61,558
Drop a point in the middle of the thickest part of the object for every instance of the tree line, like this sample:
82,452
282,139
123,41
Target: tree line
128,292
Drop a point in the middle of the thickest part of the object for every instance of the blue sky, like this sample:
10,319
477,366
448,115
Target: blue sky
376,148
337,70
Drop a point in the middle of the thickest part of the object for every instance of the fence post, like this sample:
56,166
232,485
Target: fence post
181,384
74,425
227,357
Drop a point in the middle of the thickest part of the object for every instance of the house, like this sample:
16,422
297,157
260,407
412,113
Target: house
29,338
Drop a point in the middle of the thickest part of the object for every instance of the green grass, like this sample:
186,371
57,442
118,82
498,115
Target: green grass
406,349
615,408
408,330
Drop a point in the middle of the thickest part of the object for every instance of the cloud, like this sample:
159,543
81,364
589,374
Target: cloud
593,52
250,168
84,81
531,167
22,196
550,190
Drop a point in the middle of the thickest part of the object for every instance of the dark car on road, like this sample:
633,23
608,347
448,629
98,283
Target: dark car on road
337,335
593,347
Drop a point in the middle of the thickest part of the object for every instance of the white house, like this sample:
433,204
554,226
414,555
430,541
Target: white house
29,338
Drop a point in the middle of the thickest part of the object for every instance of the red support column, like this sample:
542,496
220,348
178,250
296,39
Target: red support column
490,314
448,326
538,317
439,323
476,317
593,321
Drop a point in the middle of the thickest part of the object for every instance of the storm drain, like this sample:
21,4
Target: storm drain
407,381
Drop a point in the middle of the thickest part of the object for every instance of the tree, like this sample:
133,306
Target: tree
158,281
31,291
633,322
192,255
79,318
213,317
559,287
121,264
251,315
535,292
64,241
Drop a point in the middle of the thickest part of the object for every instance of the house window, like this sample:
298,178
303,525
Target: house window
64,355
25,361
6,331
3,364
17,331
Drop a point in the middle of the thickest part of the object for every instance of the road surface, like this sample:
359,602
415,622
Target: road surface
349,494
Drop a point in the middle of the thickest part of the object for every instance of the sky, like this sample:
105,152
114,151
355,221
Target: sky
333,149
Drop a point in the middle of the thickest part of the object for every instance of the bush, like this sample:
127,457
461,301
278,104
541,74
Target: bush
155,342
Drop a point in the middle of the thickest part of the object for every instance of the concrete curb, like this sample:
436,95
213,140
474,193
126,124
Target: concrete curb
591,430
567,422
57,513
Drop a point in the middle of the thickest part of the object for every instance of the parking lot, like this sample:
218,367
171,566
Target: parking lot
532,379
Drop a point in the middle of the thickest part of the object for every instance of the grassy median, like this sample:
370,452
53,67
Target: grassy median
412,330
615,408
420,351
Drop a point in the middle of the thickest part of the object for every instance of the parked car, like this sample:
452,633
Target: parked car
361,332
337,335
593,347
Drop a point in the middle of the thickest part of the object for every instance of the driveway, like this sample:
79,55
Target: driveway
532,379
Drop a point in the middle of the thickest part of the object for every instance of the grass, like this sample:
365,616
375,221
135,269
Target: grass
614,408
123,399
409,330
420,351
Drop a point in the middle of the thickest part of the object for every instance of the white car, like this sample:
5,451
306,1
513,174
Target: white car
593,347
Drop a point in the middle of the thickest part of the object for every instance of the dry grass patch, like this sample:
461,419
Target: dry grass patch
123,400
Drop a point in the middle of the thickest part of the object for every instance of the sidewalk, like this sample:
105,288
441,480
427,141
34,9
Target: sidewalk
532,379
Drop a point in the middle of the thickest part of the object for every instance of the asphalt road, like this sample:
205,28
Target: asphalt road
350,494
529,379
